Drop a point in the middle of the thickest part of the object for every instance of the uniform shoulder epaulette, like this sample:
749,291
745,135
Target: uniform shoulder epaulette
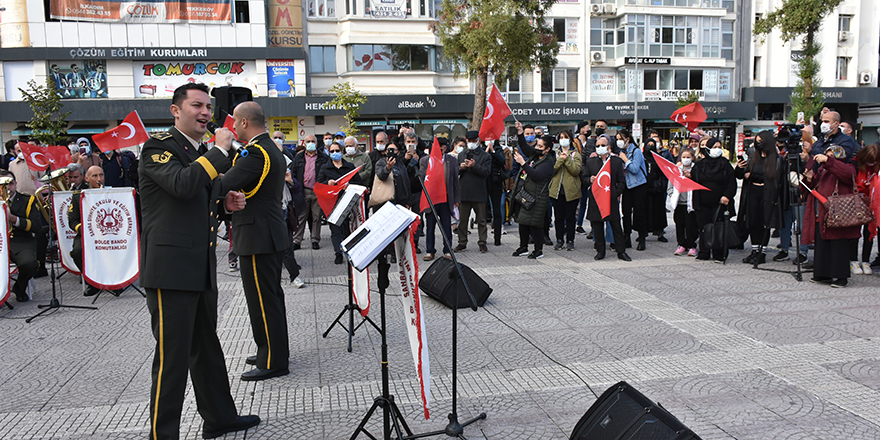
161,136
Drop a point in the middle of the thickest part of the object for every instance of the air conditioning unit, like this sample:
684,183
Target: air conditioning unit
843,36
610,8
597,57
596,9
866,78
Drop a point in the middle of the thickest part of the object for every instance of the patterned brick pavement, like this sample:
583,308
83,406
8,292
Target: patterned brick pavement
735,353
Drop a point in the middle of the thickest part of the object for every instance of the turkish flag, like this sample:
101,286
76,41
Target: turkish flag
327,194
690,115
602,192
130,133
874,198
682,184
435,183
228,124
493,122
40,158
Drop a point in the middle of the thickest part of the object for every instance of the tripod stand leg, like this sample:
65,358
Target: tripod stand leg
11,307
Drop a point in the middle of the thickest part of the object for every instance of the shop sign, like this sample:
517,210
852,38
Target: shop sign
160,79
603,82
647,60
387,9
280,78
156,11
288,126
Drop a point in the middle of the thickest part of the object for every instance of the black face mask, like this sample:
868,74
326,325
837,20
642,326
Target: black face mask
600,131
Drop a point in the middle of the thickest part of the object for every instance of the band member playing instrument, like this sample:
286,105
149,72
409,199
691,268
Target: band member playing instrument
23,219
179,267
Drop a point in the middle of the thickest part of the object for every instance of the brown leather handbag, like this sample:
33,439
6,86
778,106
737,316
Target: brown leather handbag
847,210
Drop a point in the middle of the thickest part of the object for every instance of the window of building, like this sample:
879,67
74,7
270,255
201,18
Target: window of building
842,68
607,36
844,23
756,69
381,57
521,89
322,59
410,57
322,8
559,85
242,12
566,30
672,79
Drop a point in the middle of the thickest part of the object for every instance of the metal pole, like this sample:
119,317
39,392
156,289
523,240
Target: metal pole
636,107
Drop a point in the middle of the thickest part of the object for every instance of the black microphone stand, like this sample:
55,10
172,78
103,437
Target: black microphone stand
454,428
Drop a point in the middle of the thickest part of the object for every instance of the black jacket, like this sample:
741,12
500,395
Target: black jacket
716,174
299,164
330,172
473,179
25,208
618,184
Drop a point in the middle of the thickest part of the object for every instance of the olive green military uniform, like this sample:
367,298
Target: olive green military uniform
179,273
260,241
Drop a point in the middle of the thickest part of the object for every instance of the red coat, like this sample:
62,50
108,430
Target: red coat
831,172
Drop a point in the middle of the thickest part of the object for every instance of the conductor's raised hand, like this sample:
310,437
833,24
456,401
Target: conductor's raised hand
234,201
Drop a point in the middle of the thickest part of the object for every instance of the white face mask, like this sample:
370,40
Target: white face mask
278,141
311,146
328,142
686,161
488,143
564,142
380,147
20,156
472,145
826,128
621,144
715,152
601,150
350,151
459,149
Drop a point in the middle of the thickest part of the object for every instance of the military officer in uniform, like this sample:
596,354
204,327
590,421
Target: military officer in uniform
94,180
23,219
258,171
179,267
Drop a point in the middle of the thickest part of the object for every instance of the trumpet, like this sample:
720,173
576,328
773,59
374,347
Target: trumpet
5,195
52,181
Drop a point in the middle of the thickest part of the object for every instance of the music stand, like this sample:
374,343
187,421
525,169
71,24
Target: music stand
114,293
351,307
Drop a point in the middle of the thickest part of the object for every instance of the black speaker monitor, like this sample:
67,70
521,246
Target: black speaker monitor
621,412
441,282
226,98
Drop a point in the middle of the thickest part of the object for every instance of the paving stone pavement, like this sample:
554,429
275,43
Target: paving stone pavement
733,352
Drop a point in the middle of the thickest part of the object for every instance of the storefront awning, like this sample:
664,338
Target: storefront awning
86,129
775,95
21,130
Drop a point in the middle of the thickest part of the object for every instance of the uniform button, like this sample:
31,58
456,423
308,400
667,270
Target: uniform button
212,229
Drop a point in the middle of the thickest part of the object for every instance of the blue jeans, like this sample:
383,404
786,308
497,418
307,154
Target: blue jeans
582,209
609,236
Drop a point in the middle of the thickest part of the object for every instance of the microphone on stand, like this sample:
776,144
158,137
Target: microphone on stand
213,126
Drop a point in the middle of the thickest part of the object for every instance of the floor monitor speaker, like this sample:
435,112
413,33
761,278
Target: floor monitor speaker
441,282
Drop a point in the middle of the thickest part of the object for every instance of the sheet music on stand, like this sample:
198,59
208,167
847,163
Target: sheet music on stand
367,241
349,197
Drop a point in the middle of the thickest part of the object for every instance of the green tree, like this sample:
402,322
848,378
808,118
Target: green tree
349,100
48,122
691,98
502,37
801,19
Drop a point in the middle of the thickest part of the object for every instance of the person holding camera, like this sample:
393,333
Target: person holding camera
474,167
531,194
760,194
635,196
715,173
394,163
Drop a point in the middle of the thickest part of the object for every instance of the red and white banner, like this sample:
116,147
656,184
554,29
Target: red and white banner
497,109
5,282
39,158
435,178
673,173
61,204
405,248
128,134
360,279
111,243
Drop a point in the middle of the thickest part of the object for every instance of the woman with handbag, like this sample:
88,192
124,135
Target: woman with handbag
656,197
565,191
531,195
760,194
715,173
831,177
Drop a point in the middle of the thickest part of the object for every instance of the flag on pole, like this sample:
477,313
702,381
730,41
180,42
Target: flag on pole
39,158
435,182
681,183
128,134
327,194
493,121
602,192
690,115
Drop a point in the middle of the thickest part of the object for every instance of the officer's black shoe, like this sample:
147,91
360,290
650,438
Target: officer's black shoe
623,256
20,295
599,255
91,291
338,259
251,360
41,272
315,245
262,374
239,424
751,258
296,246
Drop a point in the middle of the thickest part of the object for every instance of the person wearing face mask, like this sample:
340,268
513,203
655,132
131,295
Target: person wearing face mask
474,167
759,202
358,158
684,216
636,193
497,176
444,210
23,174
868,183
381,141
565,191
335,168
533,179
328,140
657,186
830,134
587,139
616,184
306,166
715,173
526,138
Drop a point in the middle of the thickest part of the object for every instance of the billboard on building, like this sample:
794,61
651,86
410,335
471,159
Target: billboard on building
285,23
159,79
155,11
289,126
79,79
280,78
387,8
14,28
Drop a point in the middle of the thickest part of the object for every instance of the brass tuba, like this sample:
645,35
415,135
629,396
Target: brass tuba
5,195
53,181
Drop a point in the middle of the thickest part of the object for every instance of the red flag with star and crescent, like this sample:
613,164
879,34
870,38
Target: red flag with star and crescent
601,189
492,127
228,124
435,183
130,133
40,158
690,115
681,183
328,194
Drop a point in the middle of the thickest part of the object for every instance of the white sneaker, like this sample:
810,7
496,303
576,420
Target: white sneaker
866,268
855,268
298,283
